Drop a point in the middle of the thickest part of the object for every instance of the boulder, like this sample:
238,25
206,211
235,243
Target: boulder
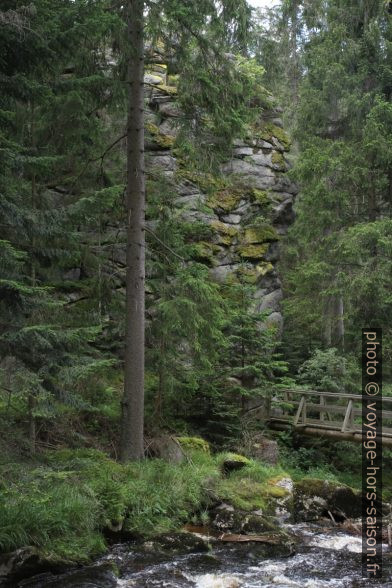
167,448
314,498
260,448
242,151
177,543
227,519
24,563
234,462
95,576
282,498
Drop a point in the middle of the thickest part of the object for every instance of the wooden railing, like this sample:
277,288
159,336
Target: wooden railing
313,411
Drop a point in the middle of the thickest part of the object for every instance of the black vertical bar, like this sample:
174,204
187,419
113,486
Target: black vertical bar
372,453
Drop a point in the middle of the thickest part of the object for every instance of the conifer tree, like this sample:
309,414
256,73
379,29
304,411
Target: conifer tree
196,30
343,124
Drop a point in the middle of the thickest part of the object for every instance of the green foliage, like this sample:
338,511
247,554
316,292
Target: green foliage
328,371
63,504
336,266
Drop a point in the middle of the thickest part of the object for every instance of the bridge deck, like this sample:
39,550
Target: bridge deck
317,413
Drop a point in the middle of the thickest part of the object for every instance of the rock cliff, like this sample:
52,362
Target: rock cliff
247,208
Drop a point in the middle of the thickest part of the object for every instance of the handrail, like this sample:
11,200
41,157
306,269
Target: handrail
333,394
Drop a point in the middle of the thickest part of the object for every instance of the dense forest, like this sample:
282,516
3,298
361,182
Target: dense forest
195,211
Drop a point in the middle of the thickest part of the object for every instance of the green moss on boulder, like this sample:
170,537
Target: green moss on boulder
314,498
242,493
251,274
194,444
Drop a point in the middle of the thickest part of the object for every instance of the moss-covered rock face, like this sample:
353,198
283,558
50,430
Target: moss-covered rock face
269,131
206,251
159,138
313,498
259,234
225,233
169,90
278,160
227,519
256,251
260,196
251,274
241,202
225,200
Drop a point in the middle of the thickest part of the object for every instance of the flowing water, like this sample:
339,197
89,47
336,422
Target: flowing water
325,558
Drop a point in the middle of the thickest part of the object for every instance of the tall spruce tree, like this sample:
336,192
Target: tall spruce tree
337,265
199,33
53,84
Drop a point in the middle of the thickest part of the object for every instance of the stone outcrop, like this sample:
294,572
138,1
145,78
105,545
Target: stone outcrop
315,499
247,208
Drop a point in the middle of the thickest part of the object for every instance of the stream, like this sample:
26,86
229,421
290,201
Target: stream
325,557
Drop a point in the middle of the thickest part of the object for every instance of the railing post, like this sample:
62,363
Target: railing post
322,412
299,411
348,416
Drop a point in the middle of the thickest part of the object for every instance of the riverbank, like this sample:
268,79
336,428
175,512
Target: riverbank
70,505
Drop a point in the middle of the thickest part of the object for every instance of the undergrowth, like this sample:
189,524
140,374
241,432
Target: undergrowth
63,503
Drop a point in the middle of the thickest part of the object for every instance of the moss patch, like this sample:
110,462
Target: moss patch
260,196
244,493
226,233
205,251
255,251
164,141
225,200
269,130
251,274
169,90
278,160
162,67
260,234
194,444
208,183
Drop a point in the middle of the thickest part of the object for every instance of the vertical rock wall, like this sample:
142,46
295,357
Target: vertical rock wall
248,208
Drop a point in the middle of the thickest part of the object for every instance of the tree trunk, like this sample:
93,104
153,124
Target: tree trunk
132,442
339,322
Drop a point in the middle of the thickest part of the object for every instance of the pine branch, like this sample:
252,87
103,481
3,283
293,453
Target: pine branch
163,244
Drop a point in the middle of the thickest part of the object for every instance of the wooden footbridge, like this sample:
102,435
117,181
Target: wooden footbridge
326,414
